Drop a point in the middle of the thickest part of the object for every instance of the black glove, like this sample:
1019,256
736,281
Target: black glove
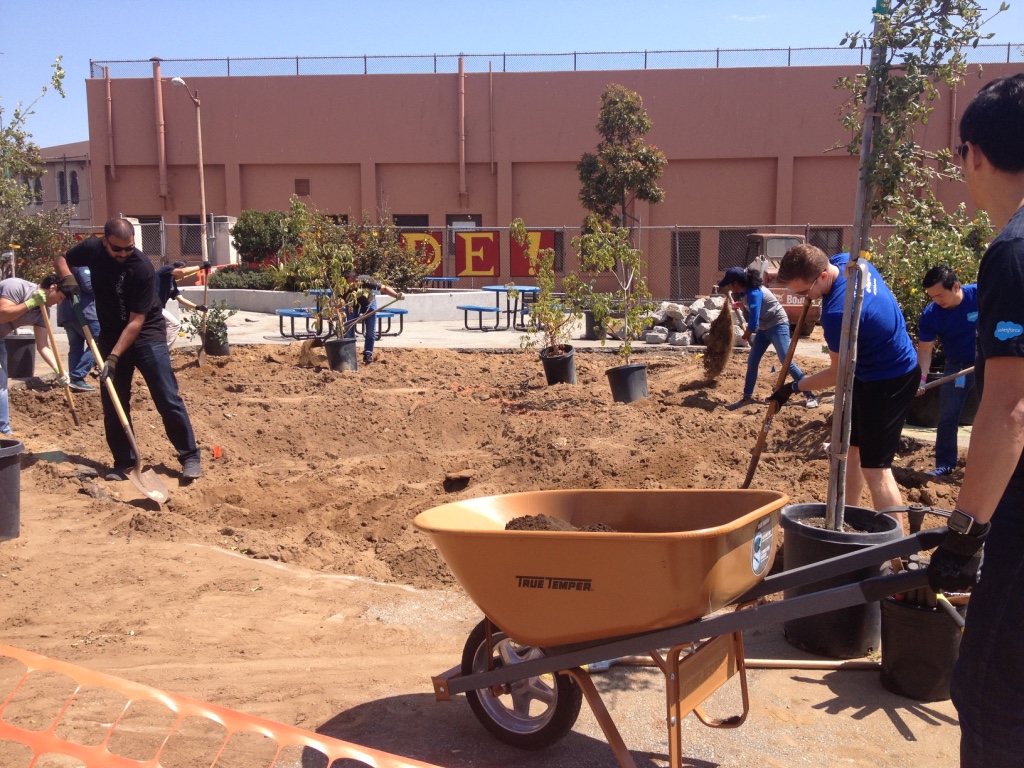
783,393
207,266
69,287
202,308
956,564
108,367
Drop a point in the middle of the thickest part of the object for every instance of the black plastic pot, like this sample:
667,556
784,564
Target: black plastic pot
214,346
341,354
925,410
591,331
559,368
919,647
848,633
628,382
21,356
10,488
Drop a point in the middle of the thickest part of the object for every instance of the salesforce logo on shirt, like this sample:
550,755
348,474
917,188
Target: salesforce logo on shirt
1006,330
972,317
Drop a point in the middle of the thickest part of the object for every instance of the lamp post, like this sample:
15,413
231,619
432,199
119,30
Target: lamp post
202,206
199,143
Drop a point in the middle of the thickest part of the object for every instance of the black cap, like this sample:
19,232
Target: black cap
733,275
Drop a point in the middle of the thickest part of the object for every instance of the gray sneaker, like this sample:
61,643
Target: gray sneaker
191,469
80,385
812,401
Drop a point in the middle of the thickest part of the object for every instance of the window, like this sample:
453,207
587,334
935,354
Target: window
38,194
62,189
152,235
685,277
191,237
411,220
74,187
302,187
732,247
829,239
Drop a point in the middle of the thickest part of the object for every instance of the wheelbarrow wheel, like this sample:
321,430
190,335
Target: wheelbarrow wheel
529,714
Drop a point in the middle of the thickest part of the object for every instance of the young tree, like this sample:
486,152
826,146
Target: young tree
38,235
623,168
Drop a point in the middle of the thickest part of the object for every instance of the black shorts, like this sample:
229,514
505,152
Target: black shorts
879,412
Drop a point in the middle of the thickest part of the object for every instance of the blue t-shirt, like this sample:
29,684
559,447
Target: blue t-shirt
884,348
957,327
1000,309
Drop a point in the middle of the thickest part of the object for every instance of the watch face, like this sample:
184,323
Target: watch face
960,522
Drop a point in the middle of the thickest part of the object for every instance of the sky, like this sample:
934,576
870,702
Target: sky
34,34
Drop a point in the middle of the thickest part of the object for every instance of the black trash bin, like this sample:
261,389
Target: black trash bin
10,488
21,355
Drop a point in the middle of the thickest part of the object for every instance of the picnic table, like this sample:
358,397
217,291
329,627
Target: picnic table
515,297
438,282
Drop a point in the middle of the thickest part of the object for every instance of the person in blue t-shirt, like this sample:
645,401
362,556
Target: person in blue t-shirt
767,323
987,682
885,380
952,316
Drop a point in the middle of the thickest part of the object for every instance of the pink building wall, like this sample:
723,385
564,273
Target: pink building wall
745,146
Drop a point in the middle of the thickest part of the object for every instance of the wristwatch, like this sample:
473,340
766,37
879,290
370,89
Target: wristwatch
961,522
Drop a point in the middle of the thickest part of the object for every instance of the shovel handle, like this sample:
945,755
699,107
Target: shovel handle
60,366
351,324
946,379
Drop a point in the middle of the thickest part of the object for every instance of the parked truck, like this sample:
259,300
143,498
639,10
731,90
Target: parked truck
764,252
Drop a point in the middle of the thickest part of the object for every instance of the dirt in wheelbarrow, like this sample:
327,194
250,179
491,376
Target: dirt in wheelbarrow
289,581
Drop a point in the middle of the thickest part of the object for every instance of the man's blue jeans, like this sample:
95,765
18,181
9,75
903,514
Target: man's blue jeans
952,404
5,404
987,685
778,337
153,360
80,357
369,326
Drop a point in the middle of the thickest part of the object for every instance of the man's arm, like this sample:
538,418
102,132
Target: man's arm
60,264
43,346
10,311
997,438
924,357
129,334
825,379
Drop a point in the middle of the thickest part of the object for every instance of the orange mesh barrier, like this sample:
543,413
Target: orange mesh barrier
50,708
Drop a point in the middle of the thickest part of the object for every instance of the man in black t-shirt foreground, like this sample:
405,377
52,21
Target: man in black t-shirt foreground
132,335
987,685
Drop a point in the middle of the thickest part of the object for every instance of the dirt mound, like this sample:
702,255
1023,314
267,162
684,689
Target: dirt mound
327,470
548,523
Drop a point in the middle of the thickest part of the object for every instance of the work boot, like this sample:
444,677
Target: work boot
367,358
118,473
191,468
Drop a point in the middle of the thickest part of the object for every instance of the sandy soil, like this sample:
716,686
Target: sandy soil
289,582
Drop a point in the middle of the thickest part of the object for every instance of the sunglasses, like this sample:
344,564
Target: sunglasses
119,248
961,149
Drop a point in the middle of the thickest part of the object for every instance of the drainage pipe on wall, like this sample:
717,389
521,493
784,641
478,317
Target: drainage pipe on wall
490,107
462,127
110,126
161,138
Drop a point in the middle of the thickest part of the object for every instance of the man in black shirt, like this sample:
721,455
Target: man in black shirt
132,335
987,684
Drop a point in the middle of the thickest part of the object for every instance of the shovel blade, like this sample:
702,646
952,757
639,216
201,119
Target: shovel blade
150,484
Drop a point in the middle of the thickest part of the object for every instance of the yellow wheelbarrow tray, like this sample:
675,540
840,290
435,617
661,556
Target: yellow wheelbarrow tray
675,555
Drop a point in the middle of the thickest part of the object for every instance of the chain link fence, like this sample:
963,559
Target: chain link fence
576,61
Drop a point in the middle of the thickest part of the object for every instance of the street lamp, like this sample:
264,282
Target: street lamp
199,141
202,208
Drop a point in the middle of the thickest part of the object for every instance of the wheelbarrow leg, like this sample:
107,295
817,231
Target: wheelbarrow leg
611,733
693,678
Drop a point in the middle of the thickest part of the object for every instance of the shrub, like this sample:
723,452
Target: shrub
259,235
243,277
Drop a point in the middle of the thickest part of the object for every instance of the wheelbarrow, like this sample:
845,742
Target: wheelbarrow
555,601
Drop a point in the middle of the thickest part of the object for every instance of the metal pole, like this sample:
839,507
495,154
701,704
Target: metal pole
836,498
202,179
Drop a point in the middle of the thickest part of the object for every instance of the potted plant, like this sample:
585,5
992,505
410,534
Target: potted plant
551,318
607,249
216,341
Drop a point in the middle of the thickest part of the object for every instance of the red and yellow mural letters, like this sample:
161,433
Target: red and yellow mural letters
431,245
477,254
520,254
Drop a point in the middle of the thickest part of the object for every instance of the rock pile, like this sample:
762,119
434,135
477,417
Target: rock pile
684,326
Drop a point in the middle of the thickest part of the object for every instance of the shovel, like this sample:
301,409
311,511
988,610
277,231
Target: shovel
206,298
148,482
945,379
351,324
774,406
60,365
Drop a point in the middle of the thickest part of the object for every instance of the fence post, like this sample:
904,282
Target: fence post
364,64
229,66
163,241
435,63
789,57
296,65
574,61
1007,53
645,59
717,58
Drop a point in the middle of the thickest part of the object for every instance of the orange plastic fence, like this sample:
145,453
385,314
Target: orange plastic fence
291,746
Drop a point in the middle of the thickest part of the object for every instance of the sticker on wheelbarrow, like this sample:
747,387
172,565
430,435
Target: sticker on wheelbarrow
761,547
553,582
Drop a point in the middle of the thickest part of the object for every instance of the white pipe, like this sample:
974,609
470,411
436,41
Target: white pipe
161,137
110,126
462,127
